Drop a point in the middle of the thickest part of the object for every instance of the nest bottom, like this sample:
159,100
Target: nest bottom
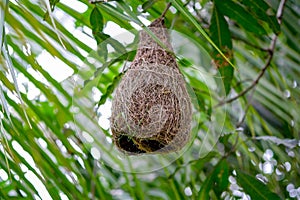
151,111
138,145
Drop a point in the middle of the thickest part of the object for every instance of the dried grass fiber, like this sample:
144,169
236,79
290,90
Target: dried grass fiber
151,109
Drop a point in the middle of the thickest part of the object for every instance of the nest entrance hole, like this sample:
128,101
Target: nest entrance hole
130,144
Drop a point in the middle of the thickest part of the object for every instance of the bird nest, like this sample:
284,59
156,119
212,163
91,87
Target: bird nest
151,109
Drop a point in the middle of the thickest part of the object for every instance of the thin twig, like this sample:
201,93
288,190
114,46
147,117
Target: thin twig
165,11
268,62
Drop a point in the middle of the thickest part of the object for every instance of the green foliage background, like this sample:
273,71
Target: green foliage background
257,155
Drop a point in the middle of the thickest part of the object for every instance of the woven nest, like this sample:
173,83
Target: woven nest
151,110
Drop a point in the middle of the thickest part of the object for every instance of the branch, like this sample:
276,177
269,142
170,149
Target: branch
268,62
165,11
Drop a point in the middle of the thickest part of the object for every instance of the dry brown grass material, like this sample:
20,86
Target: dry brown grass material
151,109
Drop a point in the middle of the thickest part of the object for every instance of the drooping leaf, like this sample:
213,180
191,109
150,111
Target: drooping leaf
3,9
221,36
101,39
261,10
185,62
110,13
199,164
53,3
13,74
148,4
239,14
222,175
96,20
255,188
202,94
97,23
179,5
217,180
49,15
110,89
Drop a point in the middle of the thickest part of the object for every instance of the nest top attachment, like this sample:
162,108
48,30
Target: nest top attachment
150,51
151,109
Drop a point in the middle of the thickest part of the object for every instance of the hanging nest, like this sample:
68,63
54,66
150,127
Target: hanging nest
151,110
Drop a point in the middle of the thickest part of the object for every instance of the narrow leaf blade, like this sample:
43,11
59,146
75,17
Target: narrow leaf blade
255,188
221,36
261,10
238,13
96,20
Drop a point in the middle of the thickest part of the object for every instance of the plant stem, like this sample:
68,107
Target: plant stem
166,10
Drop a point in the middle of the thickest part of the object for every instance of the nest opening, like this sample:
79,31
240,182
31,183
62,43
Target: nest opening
137,145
